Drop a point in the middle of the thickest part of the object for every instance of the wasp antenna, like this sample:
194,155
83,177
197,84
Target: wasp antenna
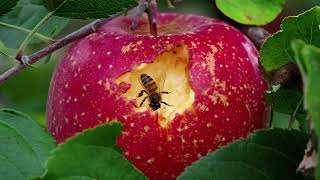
166,103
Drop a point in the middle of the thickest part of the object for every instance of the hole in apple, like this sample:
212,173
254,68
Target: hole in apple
170,73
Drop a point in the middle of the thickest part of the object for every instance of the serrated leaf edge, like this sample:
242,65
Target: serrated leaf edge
278,33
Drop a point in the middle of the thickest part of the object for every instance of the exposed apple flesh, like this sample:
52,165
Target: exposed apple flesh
170,72
209,68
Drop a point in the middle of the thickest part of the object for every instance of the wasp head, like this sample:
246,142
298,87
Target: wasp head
154,105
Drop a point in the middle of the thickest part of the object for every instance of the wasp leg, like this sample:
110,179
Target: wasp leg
165,103
165,92
143,101
141,93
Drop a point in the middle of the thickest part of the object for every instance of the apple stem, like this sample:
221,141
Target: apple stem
152,16
141,8
30,59
150,7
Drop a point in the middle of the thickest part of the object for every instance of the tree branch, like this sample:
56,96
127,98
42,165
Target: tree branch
149,6
84,31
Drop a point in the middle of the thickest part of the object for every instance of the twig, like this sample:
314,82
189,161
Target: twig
141,8
84,31
149,6
152,11
257,35
169,4
145,5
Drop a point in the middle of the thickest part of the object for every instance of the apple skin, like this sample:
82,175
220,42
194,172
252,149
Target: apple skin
224,75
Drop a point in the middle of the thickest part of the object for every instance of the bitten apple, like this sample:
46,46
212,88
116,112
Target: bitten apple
209,68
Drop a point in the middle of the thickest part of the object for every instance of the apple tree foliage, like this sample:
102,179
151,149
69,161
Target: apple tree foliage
27,151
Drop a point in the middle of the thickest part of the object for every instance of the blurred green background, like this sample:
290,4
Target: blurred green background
27,92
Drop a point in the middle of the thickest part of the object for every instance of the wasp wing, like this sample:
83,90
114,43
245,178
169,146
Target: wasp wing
161,81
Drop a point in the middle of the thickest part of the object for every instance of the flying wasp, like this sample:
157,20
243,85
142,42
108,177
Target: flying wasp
152,91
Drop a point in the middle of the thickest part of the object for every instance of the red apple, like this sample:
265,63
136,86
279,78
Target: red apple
209,68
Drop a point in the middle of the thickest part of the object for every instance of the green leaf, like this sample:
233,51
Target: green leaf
202,8
13,91
271,154
280,120
7,5
282,141
87,161
286,101
276,51
308,60
7,51
286,106
91,155
76,178
24,146
251,12
104,135
83,9
26,15
21,29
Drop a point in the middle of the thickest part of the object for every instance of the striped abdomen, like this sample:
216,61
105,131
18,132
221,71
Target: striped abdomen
148,83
